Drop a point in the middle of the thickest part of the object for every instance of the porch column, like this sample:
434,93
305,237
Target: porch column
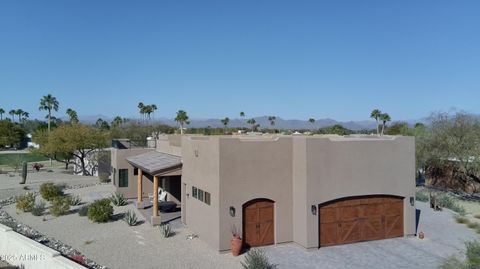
139,186
155,220
155,196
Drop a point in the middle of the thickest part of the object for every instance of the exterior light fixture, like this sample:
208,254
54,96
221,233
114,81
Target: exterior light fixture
412,200
232,211
314,210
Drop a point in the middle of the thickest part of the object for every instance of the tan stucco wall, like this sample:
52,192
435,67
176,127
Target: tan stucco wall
200,158
119,162
170,144
339,168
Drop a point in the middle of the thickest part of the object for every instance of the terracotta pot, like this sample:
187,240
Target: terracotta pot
421,235
236,245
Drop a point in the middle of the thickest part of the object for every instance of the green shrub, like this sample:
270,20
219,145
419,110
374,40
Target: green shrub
446,201
60,206
473,225
256,259
130,218
166,230
25,202
100,210
38,209
74,200
461,219
50,191
83,211
118,199
477,216
421,196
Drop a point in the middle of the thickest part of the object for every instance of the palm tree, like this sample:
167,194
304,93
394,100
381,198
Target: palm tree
154,108
1,113
117,121
242,115
49,103
25,116
19,113
252,122
312,121
272,120
376,113
384,117
141,108
12,113
72,114
225,122
182,119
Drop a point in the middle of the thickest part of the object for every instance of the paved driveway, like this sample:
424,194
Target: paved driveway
443,238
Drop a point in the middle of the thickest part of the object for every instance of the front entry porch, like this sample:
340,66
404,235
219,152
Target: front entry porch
165,171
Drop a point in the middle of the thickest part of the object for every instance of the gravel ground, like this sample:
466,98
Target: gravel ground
117,245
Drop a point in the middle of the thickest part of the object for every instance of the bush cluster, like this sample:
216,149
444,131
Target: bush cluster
421,196
60,206
100,210
50,191
446,201
25,202
256,259
472,258
38,209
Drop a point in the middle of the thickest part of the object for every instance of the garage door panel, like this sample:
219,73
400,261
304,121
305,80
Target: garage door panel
360,219
328,215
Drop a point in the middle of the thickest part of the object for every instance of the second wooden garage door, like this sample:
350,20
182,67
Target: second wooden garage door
360,219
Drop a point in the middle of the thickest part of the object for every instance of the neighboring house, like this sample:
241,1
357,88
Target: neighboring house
316,191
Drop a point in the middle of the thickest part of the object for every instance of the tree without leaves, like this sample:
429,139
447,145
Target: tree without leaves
49,103
182,119
375,114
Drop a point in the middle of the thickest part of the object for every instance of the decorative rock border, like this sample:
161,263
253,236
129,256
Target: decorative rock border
50,242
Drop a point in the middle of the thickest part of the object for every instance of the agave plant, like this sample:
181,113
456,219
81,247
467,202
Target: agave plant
166,230
118,199
130,218
256,259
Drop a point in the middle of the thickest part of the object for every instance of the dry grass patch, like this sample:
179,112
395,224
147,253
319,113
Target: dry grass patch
462,220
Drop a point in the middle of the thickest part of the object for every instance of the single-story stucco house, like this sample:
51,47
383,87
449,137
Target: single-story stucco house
316,191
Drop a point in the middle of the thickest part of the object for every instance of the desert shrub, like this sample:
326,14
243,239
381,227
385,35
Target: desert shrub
25,202
118,199
421,196
446,201
60,206
130,218
83,211
461,219
472,258
104,177
50,191
38,209
256,259
473,225
74,200
166,230
477,216
100,210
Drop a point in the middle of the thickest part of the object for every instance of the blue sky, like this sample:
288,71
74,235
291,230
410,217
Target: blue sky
292,59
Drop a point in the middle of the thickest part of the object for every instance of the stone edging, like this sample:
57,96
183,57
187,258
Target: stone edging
50,242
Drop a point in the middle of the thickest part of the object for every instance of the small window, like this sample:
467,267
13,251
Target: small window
122,178
194,192
135,171
200,195
207,198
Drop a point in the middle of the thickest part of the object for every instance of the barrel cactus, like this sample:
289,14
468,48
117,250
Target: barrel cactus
24,172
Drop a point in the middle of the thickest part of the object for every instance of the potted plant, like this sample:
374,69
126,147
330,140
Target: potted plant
236,241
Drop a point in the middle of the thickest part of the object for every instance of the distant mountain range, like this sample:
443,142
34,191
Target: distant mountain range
280,123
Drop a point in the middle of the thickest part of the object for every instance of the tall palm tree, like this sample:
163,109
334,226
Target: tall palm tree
1,113
312,121
384,117
12,113
252,122
19,113
25,116
49,103
72,114
182,119
117,121
225,122
141,108
376,113
242,115
154,108
272,120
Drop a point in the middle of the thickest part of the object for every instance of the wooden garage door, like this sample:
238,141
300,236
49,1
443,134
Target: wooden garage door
258,226
360,219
